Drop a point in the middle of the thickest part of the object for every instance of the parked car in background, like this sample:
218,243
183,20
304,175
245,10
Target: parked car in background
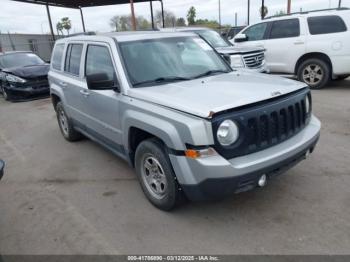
2,167
171,106
233,31
23,75
242,58
314,46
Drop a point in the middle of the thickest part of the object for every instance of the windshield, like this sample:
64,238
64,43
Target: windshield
214,38
149,62
20,60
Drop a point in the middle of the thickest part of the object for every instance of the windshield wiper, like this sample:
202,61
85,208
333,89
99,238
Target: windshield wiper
162,80
210,72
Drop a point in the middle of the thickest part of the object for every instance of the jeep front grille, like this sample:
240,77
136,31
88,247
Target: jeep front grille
254,60
264,124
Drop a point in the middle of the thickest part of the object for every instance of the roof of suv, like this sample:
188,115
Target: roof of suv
310,13
128,36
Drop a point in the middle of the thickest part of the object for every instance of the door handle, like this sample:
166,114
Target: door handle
84,92
299,42
63,84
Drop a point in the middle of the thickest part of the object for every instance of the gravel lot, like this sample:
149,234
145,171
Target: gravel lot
77,198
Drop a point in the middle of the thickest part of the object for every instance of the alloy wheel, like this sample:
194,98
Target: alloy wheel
153,177
313,74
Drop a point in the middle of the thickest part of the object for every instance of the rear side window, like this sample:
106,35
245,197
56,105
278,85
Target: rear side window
99,61
57,57
326,25
73,58
285,29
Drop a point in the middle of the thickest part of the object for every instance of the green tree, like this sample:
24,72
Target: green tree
191,15
280,13
124,23
180,22
66,24
169,18
208,23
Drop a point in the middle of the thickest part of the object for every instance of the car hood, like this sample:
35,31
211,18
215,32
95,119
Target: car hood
205,96
232,50
29,71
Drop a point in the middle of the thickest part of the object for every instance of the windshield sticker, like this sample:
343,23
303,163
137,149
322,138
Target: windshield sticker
202,44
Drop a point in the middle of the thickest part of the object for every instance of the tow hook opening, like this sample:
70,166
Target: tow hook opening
262,180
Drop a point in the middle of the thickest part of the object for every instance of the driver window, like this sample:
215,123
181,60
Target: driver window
256,32
98,60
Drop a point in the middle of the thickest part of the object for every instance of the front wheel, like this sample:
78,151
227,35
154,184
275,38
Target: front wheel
156,175
5,94
314,72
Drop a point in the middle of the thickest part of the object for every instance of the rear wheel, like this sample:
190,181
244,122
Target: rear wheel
156,175
314,72
66,125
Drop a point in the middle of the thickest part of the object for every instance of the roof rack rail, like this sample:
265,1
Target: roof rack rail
307,12
83,33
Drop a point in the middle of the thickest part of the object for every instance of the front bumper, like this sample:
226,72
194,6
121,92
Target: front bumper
27,93
215,177
262,69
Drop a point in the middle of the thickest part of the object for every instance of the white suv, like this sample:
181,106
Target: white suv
314,46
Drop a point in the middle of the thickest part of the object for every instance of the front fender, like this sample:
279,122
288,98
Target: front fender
156,126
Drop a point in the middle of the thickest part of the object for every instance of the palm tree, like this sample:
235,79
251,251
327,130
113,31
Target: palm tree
59,28
66,23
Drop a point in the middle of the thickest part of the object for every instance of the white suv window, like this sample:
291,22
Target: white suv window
73,58
256,32
285,29
326,25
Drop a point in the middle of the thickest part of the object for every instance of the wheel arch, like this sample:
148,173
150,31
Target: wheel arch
311,55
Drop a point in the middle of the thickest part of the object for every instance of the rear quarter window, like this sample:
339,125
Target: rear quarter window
319,25
57,57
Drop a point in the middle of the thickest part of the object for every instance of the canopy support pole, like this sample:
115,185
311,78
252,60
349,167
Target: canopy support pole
50,22
133,19
82,19
152,18
161,2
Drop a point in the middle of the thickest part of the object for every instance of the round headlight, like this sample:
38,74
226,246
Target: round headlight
307,105
227,133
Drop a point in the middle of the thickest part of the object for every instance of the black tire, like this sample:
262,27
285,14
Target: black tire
172,196
65,124
314,72
5,94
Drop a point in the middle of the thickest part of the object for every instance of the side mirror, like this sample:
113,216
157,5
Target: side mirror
101,81
2,166
241,38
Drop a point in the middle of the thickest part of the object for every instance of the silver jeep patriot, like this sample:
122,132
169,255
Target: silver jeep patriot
174,109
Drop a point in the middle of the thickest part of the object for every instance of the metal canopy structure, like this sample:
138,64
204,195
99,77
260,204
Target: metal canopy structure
79,4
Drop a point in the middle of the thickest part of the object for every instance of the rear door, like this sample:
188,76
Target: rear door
284,44
71,81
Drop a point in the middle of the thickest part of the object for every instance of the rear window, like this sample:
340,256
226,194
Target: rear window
57,57
73,57
326,25
285,29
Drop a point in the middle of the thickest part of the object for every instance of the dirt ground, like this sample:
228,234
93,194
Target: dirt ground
77,198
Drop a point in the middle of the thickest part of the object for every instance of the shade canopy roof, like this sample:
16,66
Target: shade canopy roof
80,3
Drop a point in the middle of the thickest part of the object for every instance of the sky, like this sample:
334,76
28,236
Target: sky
16,17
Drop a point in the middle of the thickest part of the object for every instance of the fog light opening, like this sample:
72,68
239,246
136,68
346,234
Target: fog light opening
262,181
